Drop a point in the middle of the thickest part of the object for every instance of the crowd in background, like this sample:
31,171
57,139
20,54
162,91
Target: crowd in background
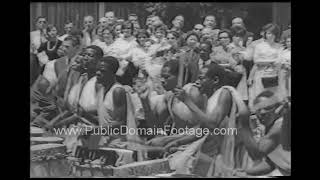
87,73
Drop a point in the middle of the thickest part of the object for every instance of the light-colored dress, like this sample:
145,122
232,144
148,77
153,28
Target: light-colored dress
285,74
266,60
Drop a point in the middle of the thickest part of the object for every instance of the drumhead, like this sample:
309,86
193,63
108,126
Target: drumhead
36,130
46,139
45,146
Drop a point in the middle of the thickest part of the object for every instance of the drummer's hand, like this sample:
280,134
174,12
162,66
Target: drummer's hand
250,82
181,94
239,173
171,145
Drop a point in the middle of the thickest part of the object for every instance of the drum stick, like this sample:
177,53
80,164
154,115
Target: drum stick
181,72
53,121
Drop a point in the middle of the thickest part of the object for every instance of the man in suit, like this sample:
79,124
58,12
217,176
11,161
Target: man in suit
67,51
41,97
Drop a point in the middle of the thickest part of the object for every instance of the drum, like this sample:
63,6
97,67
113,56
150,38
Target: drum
36,132
49,160
99,162
45,140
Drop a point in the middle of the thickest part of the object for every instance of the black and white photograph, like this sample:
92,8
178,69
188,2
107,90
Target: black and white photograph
160,89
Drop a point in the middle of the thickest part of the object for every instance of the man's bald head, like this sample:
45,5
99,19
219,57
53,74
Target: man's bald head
237,21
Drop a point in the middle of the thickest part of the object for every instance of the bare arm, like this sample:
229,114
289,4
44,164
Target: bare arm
218,114
120,106
263,147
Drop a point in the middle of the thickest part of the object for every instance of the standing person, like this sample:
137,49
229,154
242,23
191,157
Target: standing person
110,18
264,74
68,50
103,22
68,27
237,21
148,25
117,29
198,28
88,31
108,40
98,41
189,59
221,54
178,24
285,70
276,158
236,47
123,51
50,47
38,36
205,49
210,24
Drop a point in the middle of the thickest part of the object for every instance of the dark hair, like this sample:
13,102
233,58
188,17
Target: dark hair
133,14
88,16
162,28
265,94
68,22
249,34
191,33
142,32
174,33
40,17
50,27
115,25
112,62
173,66
98,50
215,70
110,29
74,38
225,31
77,33
238,31
208,44
274,29
127,24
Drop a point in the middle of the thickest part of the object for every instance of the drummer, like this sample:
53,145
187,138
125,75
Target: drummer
107,98
83,70
273,148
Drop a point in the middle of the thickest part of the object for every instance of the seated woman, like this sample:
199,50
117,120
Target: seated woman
48,50
122,50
